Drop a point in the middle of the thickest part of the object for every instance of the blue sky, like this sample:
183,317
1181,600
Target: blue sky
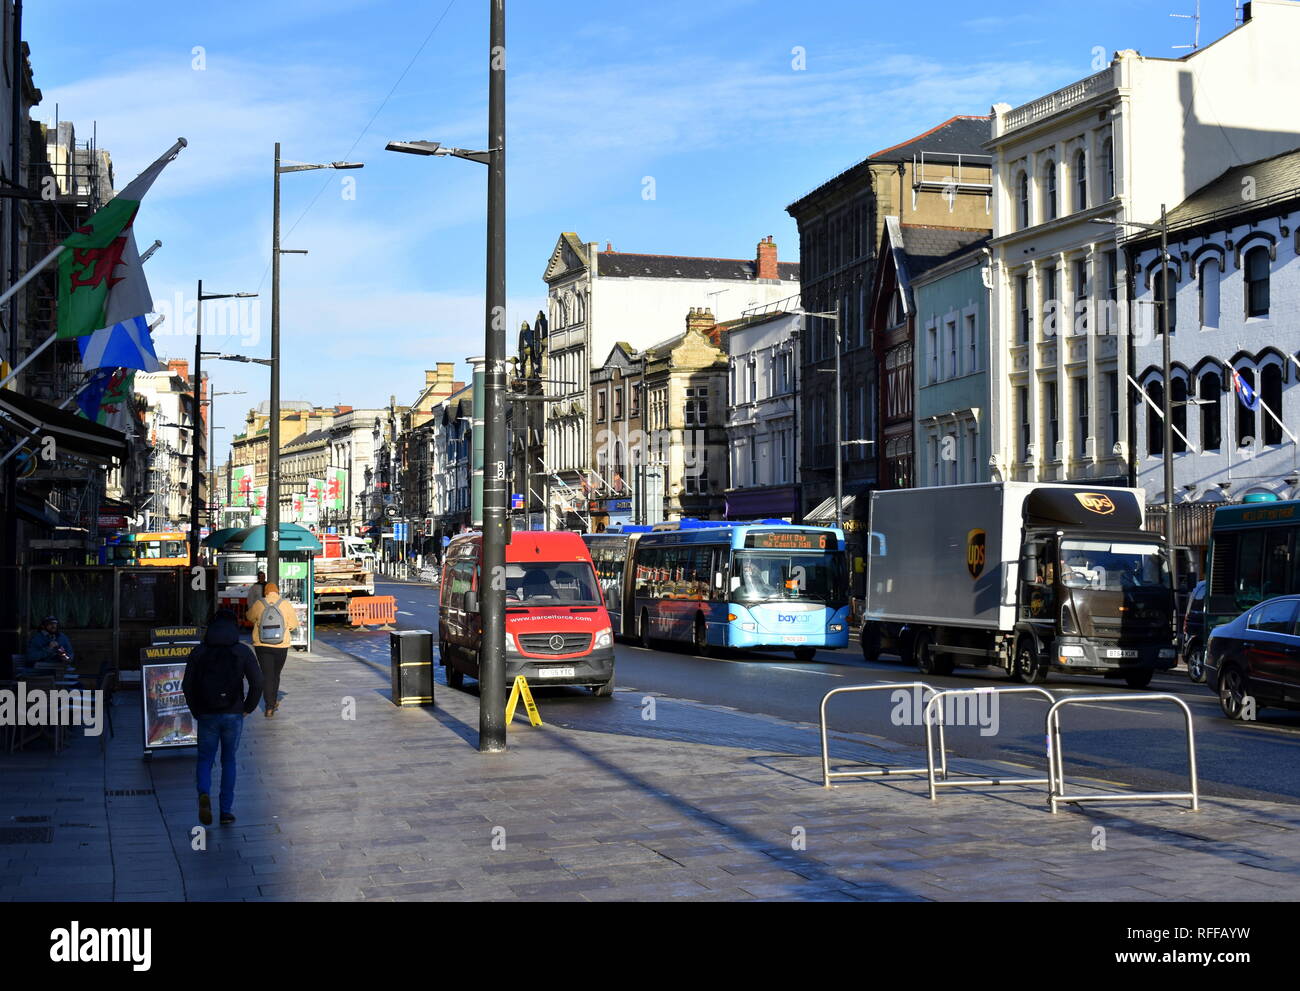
702,96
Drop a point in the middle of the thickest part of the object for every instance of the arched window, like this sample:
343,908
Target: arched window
1211,416
1270,394
1256,266
1108,163
1165,286
1209,293
1023,192
1178,399
1080,181
1245,416
1049,192
1155,425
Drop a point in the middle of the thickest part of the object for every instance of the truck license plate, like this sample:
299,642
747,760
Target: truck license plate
556,672
792,639
1121,654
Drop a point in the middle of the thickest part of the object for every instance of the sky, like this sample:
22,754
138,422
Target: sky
726,110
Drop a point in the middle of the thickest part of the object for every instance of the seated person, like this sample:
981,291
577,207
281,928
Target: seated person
48,644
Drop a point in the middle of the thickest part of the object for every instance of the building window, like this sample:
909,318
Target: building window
1053,421
600,406
1080,181
1178,402
1112,291
1051,296
1209,293
1049,192
952,349
972,344
783,454
1081,417
753,381
1112,397
1022,303
1245,417
1270,395
618,403
1256,267
1155,424
1023,205
697,407
753,460
932,344
1022,401
1108,163
1211,421
1165,286
1081,294
972,454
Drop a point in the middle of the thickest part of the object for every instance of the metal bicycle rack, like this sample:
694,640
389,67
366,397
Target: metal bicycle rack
1056,759
875,772
941,780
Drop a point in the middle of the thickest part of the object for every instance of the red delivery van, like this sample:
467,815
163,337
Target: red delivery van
557,630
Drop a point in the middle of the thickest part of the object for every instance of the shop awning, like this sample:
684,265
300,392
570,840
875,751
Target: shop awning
293,539
825,511
73,435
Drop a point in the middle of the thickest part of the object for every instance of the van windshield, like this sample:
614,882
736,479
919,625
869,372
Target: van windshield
568,583
1108,566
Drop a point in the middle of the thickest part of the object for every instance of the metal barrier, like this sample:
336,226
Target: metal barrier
876,772
372,610
935,782
1056,758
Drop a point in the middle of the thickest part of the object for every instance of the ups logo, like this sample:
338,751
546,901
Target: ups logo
1096,502
975,552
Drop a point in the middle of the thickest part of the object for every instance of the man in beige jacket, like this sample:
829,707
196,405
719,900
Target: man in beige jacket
274,619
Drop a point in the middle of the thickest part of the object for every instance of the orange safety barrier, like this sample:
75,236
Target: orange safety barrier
372,610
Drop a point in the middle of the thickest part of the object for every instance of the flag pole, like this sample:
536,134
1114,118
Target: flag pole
37,429
36,353
1160,413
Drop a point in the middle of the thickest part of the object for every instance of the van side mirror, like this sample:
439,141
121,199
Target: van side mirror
471,600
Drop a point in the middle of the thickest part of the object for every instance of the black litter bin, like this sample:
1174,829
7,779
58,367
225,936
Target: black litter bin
412,664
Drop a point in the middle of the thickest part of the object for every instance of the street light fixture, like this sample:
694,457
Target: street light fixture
273,455
492,675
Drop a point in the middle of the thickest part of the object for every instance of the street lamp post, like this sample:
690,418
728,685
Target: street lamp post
195,469
492,685
834,317
273,455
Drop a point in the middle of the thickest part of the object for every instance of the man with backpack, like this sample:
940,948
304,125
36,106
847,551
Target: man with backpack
214,690
274,619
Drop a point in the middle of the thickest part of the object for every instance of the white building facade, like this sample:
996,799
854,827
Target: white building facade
1140,133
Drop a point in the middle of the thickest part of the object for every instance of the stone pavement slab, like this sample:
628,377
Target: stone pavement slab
702,803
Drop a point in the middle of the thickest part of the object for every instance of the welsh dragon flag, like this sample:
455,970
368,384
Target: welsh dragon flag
101,280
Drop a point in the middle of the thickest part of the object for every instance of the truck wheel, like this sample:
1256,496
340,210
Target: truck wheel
1196,663
1138,679
927,661
701,637
870,639
1029,666
643,630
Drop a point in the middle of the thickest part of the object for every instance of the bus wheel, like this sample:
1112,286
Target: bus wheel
805,653
643,629
701,637
1029,666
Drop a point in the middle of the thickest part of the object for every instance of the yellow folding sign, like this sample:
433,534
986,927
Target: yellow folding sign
520,690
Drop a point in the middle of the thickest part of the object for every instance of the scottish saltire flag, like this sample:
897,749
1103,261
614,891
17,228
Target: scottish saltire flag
104,399
101,280
124,345
1245,392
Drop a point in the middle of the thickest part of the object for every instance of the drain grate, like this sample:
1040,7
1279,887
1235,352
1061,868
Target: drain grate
122,792
29,818
14,835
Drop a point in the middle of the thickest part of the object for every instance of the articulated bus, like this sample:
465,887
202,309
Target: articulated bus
739,585
163,549
609,554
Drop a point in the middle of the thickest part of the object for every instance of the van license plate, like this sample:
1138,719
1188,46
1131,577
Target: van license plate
556,672
1121,653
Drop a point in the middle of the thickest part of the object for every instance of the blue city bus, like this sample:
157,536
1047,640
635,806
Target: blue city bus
1254,555
760,586
609,553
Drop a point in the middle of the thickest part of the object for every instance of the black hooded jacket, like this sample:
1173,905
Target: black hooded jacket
221,638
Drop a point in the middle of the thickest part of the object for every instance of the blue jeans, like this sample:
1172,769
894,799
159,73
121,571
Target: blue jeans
221,729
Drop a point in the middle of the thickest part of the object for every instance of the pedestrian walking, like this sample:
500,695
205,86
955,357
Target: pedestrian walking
255,592
274,619
215,676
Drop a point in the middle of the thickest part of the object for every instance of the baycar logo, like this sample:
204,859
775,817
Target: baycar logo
975,552
1096,502
784,618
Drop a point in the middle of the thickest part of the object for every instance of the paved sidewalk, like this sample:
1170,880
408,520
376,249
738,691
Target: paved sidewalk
700,803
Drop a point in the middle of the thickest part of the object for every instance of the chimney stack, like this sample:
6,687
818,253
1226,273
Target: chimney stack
766,266
701,319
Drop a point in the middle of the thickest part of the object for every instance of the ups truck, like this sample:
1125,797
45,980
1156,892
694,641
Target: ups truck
1025,577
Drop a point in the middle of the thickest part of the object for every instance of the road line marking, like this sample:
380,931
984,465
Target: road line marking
824,674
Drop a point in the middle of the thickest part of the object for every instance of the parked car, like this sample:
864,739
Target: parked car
1193,634
1257,656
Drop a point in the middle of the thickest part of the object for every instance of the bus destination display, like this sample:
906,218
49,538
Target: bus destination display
777,541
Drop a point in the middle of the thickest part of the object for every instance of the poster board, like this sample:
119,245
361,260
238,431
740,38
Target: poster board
168,722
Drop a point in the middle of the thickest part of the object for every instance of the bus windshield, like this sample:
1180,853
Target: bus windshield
761,576
1111,566
568,583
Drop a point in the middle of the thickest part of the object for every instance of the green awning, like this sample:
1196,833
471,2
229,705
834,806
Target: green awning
220,538
293,539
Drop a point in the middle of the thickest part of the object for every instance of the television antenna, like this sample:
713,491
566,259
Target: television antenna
1196,19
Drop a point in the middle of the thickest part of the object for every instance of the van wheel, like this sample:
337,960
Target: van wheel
1138,679
1029,666
643,630
1232,691
701,637
1196,664
603,691
927,661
